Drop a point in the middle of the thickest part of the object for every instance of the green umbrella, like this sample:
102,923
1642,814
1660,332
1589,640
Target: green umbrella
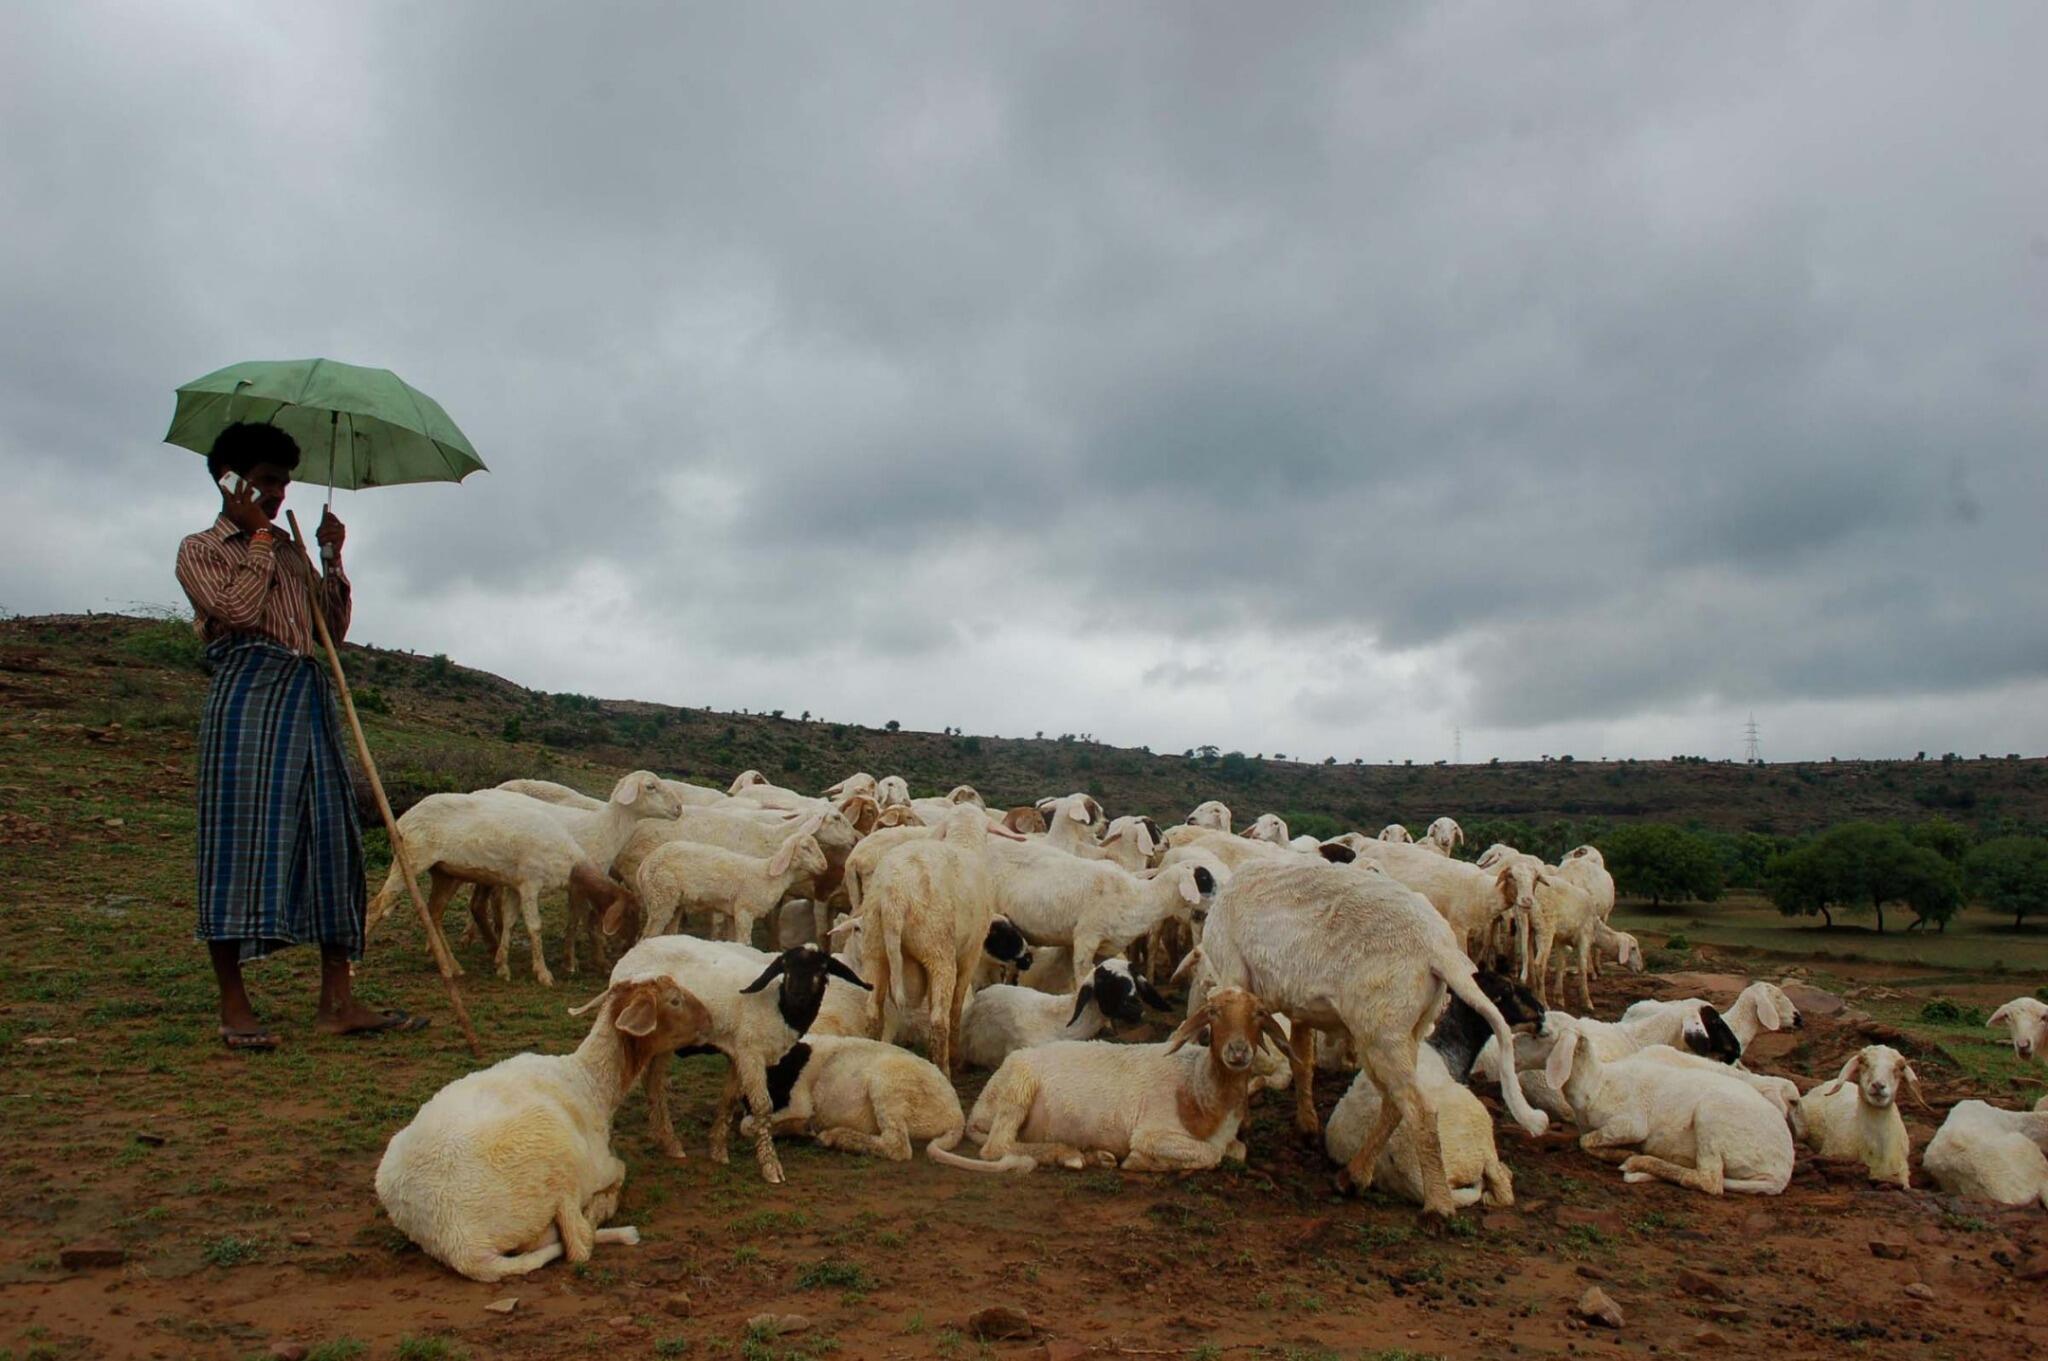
355,427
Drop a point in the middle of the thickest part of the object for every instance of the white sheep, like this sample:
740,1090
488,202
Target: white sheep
1364,957
1270,828
1002,1019
861,1095
507,1169
892,791
1469,897
1857,1115
929,903
2027,1018
1397,834
501,840
1203,846
1628,953
548,791
1445,834
1092,905
1133,842
1705,1040
679,877
1987,1153
1150,1107
1472,1166
695,795
860,782
1694,1128
1213,815
1760,1007
758,832
750,1025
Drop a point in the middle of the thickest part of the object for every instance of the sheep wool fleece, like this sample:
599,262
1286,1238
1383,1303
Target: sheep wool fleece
280,853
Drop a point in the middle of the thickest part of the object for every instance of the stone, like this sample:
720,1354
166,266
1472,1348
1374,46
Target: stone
288,1351
504,1306
2034,1267
300,1238
1710,1337
114,822
1813,1001
1596,1306
1001,1322
1727,1313
1890,1251
676,1304
1758,1221
1587,1271
87,1253
1065,1349
777,1325
1920,1290
151,1138
1700,1284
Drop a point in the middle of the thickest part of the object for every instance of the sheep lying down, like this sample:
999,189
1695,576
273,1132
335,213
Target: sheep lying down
1149,1107
861,1095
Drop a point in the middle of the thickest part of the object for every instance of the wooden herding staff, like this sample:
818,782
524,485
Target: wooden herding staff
444,960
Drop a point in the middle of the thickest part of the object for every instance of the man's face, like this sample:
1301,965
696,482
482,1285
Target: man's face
270,482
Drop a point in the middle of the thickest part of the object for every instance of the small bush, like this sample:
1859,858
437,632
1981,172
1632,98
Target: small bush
836,1275
168,642
370,700
1942,1011
338,1349
426,1349
232,1251
1678,942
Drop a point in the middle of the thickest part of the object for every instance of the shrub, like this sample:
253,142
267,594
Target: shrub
1942,1011
167,642
370,700
1662,863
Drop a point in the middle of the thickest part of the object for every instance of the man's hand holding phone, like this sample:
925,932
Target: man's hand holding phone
242,504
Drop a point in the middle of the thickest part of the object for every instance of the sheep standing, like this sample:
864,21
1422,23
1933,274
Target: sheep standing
679,877
2027,1018
1990,1154
1469,897
1856,1115
507,1169
751,1026
1445,834
1152,1107
1360,955
1694,1128
861,1095
930,903
1092,905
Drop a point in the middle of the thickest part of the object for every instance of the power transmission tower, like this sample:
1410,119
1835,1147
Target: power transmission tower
1750,751
1458,745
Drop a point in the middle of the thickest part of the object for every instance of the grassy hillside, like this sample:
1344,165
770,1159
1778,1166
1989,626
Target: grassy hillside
437,725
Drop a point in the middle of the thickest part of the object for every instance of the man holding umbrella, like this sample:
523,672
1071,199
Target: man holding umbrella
280,853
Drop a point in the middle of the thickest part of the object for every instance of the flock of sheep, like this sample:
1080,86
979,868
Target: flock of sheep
1013,939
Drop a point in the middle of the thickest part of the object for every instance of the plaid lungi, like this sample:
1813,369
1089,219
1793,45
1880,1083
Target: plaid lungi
280,854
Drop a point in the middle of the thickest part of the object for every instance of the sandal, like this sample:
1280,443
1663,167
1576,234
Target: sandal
258,1038
393,1022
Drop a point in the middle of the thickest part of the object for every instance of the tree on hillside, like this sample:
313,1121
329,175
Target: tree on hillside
2010,874
1659,862
1863,863
1950,840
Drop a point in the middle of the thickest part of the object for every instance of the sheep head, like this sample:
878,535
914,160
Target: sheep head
804,971
2027,1019
1230,1024
1880,1072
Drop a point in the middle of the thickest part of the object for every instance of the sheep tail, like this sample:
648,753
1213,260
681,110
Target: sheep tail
940,1151
892,941
1456,973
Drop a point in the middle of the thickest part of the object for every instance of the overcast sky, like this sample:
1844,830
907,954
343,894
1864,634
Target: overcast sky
1294,378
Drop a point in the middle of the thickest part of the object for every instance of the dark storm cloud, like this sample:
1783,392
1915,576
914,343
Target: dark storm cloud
1543,364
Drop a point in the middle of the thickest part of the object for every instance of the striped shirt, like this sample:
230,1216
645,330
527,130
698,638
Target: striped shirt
238,583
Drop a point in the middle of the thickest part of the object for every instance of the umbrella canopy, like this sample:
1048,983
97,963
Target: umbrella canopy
355,427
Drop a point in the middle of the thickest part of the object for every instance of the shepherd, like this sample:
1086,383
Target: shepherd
280,851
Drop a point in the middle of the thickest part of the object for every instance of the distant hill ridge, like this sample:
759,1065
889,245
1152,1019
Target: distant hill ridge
438,725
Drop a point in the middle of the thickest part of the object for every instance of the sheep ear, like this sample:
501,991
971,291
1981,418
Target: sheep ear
1189,889
1270,1031
838,970
2003,1016
1557,1069
592,1005
1913,1086
768,975
627,793
1148,994
1186,1030
614,919
1191,961
1081,1001
1767,1011
843,928
1853,1069
1112,840
1078,812
778,865
638,1018
1336,854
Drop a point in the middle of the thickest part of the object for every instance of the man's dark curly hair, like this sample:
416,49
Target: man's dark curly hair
245,444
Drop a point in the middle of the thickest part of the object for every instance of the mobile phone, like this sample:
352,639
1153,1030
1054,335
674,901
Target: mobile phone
231,484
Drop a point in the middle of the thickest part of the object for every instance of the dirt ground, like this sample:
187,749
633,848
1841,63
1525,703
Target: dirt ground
236,1189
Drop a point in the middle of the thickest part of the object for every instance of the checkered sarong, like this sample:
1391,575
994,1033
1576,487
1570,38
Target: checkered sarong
280,854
